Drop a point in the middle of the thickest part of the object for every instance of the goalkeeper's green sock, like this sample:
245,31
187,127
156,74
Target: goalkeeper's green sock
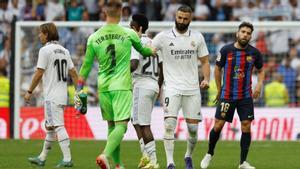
114,140
115,154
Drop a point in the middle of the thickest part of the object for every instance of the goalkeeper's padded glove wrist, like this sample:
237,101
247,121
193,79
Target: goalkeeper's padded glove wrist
80,101
80,84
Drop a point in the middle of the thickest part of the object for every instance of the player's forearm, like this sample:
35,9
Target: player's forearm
206,71
134,65
161,75
87,62
74,76
218,76
145,51
36,79
205,68
261,77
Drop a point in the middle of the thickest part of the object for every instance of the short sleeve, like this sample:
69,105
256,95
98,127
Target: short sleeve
202,48
134,54
221,58
258,61
157,41
42,59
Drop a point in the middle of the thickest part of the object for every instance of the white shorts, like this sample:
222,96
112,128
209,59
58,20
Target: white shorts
190,104
143,101
54,114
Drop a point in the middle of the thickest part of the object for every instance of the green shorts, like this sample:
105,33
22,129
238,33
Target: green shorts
116,105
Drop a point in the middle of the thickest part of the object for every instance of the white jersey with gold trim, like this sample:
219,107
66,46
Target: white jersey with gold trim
56,61
179,54
146,74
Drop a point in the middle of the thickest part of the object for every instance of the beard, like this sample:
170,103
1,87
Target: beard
181,26
243,42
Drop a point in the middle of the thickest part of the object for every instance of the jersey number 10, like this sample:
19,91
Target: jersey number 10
61,67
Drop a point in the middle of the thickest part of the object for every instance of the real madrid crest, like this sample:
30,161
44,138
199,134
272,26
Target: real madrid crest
193,43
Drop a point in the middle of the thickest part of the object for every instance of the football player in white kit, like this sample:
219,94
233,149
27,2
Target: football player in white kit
53,66
180,50
145,91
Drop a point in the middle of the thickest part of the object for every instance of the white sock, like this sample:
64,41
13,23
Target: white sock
192,140
49,139
169,148
64,142
151,151
170,125
142,146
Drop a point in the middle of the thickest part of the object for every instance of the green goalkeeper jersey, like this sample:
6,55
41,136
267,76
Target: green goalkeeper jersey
111,44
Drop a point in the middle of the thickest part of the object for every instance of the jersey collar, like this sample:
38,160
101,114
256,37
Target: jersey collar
51,42
177,34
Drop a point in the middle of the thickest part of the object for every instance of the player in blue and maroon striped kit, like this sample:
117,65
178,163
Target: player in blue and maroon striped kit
237,61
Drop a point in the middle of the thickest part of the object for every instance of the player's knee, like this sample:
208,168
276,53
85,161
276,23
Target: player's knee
192,129
246,126
218,125
170,125
193,140
122,127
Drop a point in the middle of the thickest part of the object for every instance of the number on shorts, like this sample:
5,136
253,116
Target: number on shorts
224,107
167,101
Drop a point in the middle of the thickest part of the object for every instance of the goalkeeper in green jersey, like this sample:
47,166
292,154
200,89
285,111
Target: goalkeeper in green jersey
111,45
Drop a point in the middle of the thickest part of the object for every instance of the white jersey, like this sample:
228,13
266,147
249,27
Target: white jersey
56,61
146,74
179,54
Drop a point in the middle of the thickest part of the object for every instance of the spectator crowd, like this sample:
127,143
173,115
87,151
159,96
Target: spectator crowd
280,48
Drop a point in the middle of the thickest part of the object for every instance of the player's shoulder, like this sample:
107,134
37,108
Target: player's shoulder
45,49
168,32
228,47
145,39
253,49
93,35
195,33
129,31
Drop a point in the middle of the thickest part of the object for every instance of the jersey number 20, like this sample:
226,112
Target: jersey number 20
61,67
148,63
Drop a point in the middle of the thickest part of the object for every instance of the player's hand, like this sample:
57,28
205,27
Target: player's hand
256,92
27,97
154,51
204,84
217,99
139,32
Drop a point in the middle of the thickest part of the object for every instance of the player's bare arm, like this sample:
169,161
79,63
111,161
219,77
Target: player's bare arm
260,81
218,77
74,76
160,78
134,63
206,72
35,81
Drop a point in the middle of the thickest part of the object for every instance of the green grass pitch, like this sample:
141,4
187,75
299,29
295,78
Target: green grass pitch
263,155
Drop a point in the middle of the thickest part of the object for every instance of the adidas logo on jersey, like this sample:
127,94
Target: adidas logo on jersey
171,44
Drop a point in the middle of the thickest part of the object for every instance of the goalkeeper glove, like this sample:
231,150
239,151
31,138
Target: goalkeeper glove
80,101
